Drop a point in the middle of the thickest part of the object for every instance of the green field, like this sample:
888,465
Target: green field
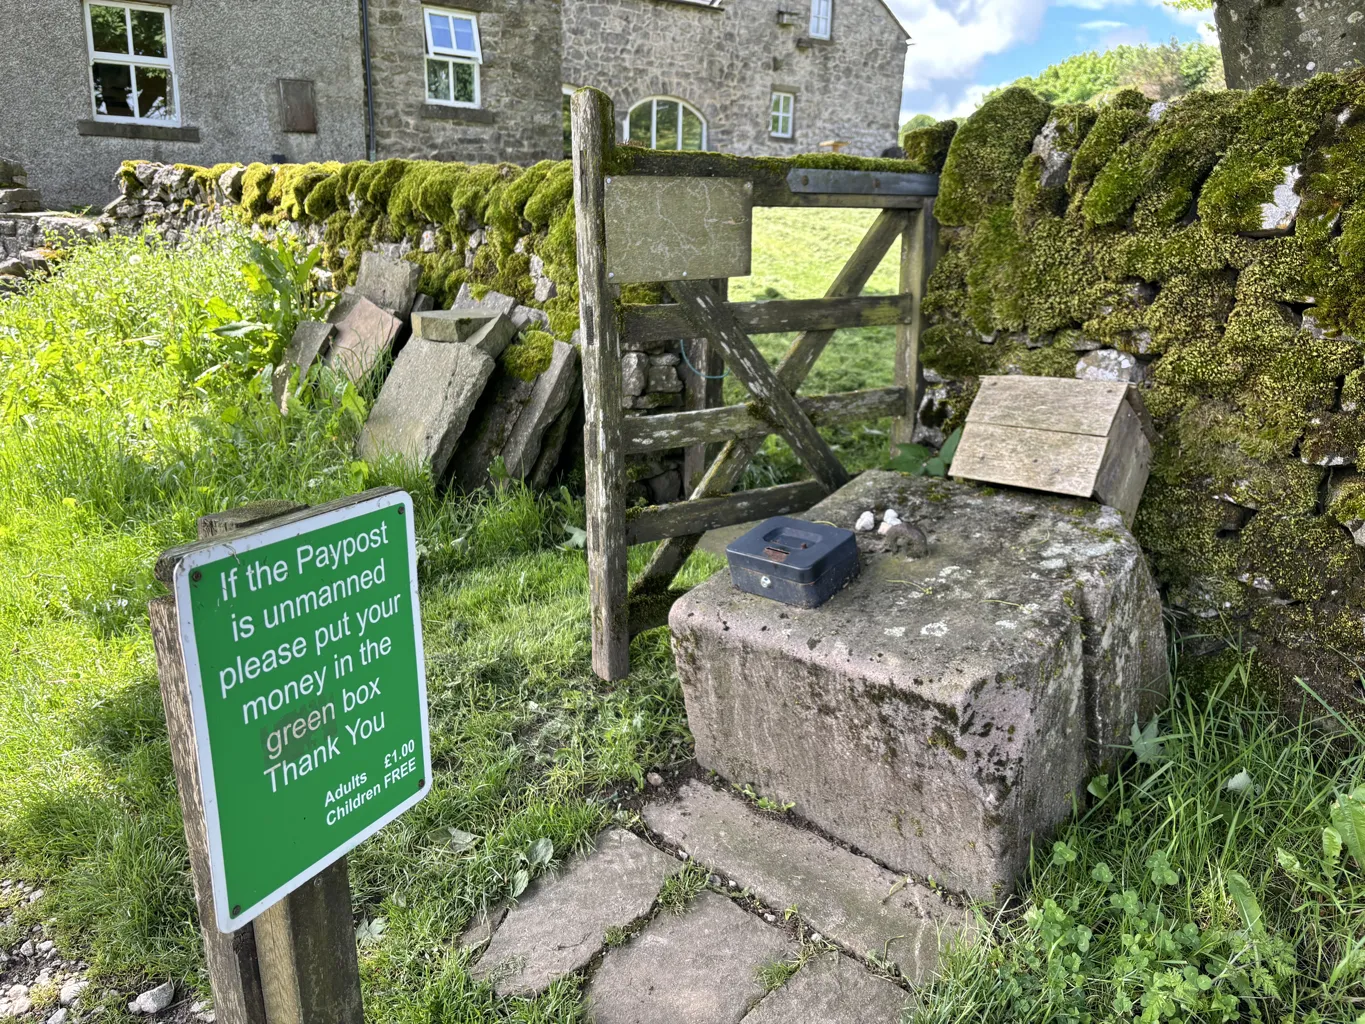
797,253
131,406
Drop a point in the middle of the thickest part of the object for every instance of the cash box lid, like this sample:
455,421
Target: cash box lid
793,549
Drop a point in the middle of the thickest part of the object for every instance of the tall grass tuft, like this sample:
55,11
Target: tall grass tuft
1205,884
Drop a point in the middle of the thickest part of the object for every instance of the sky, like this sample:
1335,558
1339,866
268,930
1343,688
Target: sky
962,49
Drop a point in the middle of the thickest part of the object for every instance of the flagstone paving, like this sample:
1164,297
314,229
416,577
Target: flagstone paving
860,905
831,989
562,924
774,885
698,967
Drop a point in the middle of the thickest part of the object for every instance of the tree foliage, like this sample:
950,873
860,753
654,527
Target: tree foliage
1158,72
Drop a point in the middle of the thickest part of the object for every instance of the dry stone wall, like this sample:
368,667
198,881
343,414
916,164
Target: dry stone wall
26,229
471,233
1211,250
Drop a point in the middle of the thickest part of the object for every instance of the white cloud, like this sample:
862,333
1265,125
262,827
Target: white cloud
958,103
952,37
1202,20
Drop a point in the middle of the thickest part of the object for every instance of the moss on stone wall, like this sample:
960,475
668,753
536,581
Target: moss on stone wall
986,154
530,355
1153,249
927,148
477,224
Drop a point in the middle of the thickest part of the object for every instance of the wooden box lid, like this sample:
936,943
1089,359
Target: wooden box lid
1082,438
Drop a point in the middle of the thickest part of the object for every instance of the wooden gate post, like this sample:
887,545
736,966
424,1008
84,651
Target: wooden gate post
919,253
604,460
296,964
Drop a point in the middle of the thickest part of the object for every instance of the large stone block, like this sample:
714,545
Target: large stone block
939,712
364,335
425,404
389,283
554,390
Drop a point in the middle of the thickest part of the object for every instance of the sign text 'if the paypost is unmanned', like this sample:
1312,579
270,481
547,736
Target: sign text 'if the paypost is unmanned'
304,654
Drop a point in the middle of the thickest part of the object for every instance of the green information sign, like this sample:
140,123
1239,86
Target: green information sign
303,650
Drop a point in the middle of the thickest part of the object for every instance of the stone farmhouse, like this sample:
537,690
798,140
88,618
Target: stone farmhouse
90,83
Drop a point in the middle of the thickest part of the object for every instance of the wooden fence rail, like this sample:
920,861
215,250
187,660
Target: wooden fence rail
687,254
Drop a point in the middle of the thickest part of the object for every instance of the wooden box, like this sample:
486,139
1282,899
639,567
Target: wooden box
1089,439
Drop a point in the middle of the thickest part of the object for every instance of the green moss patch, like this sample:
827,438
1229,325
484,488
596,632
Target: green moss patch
1151,250
986,155
927,148
529,356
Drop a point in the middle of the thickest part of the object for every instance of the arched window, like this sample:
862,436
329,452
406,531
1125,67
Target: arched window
661,122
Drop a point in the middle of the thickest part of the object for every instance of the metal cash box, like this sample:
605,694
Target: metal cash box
792,561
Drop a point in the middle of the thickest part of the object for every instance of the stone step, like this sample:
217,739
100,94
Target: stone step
831,989
698,967
943,712
19,200
845,897
561,924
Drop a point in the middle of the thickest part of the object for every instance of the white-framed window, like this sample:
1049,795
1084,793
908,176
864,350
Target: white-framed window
821,18
132,63
453,57
781,119
568,91
662,122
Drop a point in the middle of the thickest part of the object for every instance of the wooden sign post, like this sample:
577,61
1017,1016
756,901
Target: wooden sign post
293,678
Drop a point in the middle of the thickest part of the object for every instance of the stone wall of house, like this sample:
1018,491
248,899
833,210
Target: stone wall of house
727,61
228,62
519,117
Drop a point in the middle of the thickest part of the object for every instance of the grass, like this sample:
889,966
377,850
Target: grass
128,411
1189,891
680,889
126,416
796,255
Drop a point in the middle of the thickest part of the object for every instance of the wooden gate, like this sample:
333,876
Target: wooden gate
683,221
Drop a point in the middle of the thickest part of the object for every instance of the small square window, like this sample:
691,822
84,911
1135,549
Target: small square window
453,57
132,71
781,118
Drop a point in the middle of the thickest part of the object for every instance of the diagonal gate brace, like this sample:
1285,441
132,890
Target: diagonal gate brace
729,466
709,316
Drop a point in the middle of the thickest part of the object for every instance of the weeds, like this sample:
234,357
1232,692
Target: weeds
112,449
775,973
1178,896
680,889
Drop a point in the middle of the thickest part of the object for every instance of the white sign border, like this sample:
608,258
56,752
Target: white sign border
236,546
